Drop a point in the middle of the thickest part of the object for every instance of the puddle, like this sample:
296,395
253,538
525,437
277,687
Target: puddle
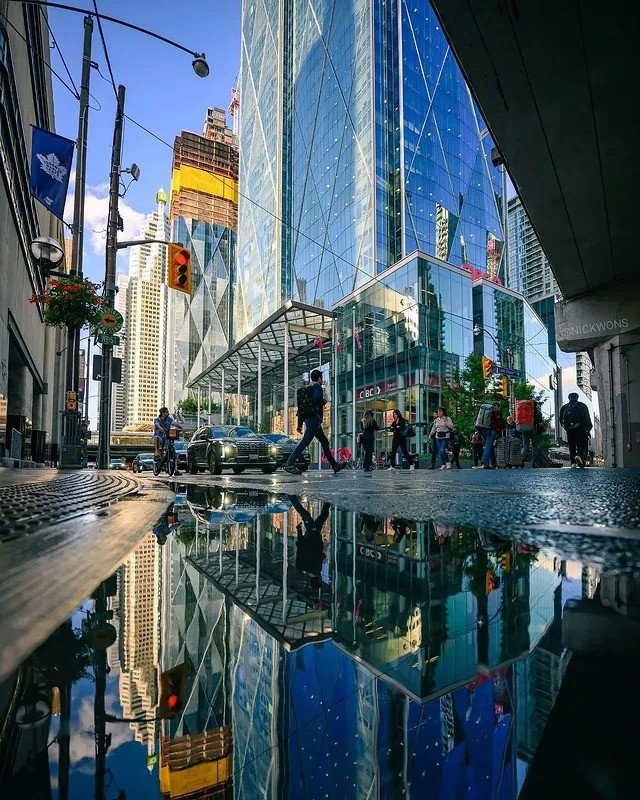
257,645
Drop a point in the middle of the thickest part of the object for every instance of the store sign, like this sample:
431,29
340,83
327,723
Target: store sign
376,389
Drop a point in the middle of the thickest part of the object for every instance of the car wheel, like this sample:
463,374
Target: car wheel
303,467
192,467
238,470
268,470
214,467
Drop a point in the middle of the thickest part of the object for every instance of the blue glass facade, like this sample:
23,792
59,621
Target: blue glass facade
366,148
201,325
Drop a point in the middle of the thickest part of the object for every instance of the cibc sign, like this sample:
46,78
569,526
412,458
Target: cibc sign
377,388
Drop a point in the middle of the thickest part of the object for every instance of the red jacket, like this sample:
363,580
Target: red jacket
498,423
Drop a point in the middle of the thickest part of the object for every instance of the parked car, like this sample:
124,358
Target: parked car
219,447
285,446
143,462
117,463
180,448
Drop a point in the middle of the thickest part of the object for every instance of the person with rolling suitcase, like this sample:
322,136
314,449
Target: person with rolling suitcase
508,452
529,423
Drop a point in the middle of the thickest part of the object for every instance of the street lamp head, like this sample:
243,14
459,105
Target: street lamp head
45,248
200,66
477,330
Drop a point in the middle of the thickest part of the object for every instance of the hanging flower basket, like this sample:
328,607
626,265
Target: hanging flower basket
70,301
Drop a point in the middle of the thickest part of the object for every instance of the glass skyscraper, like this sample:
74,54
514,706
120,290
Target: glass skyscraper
359,144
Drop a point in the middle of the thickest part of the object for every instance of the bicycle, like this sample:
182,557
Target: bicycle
167,457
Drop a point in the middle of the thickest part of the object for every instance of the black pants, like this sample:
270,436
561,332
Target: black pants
455,456
578,444
478,449
399,441
367,445
312,430
434,453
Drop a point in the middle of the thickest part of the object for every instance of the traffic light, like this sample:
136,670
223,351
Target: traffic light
491,581
487,368
505,561
172,691
504,386
179,268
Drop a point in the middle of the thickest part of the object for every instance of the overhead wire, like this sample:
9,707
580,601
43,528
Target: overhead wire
104,47
57,47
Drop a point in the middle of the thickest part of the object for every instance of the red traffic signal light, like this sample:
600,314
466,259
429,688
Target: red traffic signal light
172,690
179,268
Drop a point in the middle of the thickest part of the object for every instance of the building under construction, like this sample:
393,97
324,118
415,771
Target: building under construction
204,218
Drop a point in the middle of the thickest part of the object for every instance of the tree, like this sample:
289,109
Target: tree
188,407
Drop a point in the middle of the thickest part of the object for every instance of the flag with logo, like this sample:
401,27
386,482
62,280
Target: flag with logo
51,157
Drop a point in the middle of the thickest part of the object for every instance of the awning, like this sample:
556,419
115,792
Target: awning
295,328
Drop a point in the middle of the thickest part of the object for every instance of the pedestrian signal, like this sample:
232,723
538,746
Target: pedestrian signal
487,368
504,387
179,268
172,691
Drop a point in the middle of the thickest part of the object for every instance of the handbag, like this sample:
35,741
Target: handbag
441,435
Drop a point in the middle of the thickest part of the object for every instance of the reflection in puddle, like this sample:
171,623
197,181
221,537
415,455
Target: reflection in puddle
256,645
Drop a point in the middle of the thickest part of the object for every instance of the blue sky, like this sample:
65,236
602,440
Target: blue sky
163,94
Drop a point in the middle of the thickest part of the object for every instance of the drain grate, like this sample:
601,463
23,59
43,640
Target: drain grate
31,504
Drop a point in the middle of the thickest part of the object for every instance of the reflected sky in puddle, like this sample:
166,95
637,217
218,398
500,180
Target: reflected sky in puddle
326,654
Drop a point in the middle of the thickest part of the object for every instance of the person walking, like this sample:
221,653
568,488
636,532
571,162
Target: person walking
531,439
477,446
441,432
576,420
311,404
457,440
511,430
399,428
368,428
495,430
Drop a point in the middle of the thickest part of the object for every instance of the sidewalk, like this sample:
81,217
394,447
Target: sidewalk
61,534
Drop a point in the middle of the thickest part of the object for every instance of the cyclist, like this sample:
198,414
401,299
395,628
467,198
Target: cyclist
162,424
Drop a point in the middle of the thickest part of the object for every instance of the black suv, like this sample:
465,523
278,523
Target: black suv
219,447
285,446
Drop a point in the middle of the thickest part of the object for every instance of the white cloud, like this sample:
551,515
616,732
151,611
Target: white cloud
96,206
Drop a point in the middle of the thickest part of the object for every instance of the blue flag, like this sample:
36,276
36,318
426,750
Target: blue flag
51,157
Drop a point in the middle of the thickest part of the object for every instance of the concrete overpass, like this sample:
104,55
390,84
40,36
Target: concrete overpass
557,83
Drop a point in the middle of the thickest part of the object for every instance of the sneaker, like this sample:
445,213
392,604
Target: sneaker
339,467
487,466
443,466
579,462
447,465
292,470
574,466
391,469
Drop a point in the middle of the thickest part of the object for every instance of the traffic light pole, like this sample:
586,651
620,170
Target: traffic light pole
71,452
104,423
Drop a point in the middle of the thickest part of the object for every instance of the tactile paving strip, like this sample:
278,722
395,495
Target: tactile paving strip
27,506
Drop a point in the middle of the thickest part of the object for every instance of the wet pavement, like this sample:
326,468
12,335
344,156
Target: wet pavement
261,644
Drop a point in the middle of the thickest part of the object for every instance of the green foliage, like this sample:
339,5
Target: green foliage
188,406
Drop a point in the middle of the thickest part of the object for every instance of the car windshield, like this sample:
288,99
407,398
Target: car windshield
145,456
243,433
219,433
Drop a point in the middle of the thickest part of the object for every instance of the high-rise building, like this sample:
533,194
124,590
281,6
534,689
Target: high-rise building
118,410
204,218
145,324
530,274
358,147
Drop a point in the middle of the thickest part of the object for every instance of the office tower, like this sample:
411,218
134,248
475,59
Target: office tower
144,324
358,147
204,217
529,273
119,351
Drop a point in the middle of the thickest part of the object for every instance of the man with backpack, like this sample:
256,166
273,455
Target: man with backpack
311,404
491,424
576,420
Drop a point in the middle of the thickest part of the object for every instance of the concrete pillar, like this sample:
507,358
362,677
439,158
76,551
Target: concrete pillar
19,401
606,324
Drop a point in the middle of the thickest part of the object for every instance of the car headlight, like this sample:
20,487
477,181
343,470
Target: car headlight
273,451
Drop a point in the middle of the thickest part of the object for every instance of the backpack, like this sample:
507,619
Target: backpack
571,419
525,415
485,416
304,400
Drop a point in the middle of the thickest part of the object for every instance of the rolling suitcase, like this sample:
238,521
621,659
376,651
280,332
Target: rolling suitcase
508,452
